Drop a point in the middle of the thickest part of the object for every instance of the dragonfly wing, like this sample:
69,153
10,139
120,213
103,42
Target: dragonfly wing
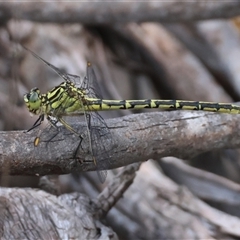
101,143
89,83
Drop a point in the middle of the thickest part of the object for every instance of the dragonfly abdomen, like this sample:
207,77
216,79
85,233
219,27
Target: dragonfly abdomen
103,105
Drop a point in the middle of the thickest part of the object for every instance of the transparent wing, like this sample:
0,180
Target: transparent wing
101,140
89,83
64,76
100,135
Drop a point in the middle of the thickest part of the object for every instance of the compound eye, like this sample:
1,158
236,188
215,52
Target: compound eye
28,95
33,96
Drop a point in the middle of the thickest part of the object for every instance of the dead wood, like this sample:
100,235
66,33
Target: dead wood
136,138
119,12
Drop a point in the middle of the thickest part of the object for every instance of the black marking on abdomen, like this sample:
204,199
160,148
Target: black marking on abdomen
136,103
170,103
121,104
193,105
210,105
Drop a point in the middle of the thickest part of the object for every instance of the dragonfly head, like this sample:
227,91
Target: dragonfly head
33,101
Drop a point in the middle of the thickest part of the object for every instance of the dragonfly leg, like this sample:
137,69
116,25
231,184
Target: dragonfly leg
73,131
79,145
37,123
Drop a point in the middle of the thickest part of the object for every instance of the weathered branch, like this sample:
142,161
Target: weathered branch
164,203
119,12
210,187
75,215
34,214
136,138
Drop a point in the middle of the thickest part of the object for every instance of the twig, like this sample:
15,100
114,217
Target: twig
119,12
206,185
115,190
136,137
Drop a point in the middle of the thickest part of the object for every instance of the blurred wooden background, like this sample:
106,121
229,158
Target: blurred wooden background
185,50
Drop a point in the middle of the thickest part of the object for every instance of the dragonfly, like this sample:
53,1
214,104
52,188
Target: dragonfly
69,99
72,99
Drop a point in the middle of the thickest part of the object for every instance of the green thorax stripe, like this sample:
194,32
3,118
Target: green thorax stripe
63,99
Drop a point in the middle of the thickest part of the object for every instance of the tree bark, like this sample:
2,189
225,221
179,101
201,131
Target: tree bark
135,138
